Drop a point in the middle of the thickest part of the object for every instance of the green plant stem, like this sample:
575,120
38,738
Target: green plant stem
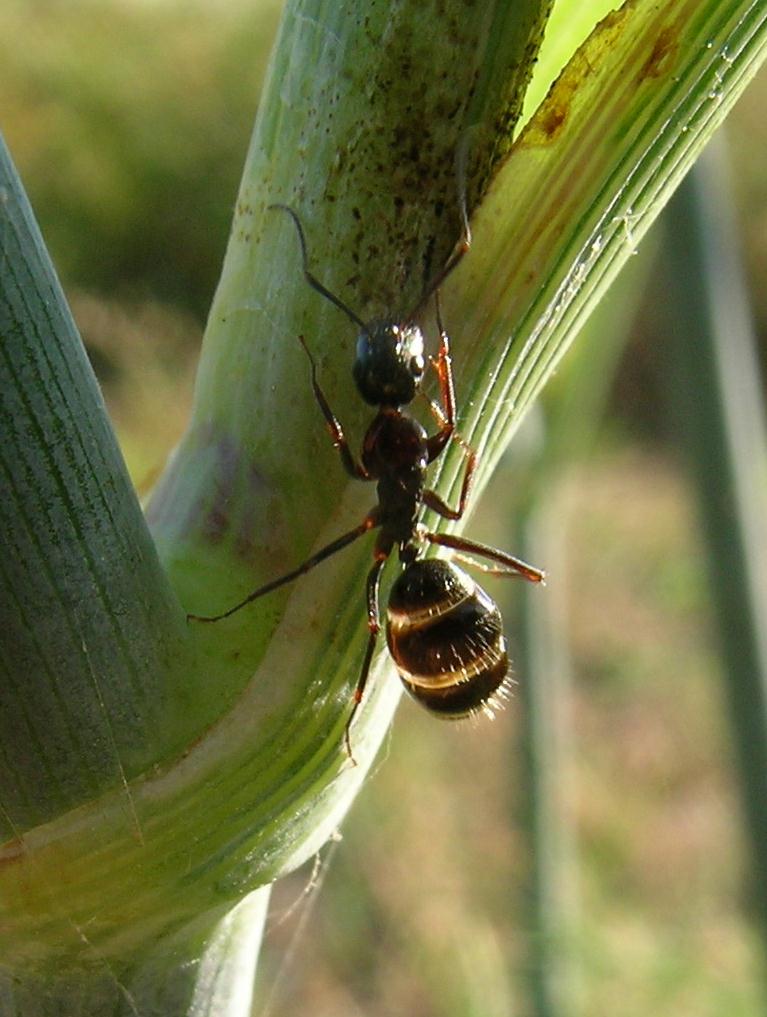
91,631
204,969
718,411
180,828
362,118
572,414
546,695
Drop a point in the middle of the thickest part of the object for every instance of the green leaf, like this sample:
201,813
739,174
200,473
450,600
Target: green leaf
93,638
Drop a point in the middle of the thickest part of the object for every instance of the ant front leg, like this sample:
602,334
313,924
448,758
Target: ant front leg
374,627
445,413
351,465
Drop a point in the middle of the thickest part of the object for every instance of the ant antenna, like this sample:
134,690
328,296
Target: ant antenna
312,279
464,241
461,159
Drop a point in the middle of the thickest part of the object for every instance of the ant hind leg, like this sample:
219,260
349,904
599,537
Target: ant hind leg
508,564
374,627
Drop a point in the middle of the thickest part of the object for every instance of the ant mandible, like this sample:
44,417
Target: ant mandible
444,632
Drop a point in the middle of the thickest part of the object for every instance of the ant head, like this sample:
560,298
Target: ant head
389,363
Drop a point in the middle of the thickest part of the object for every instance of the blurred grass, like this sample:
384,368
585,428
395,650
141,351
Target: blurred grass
105,105
429,870
416,913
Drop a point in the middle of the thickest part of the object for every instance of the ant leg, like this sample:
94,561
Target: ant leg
443,364
340,442
446,412
371,520
352,467
510,564
437,442
433,501
374,627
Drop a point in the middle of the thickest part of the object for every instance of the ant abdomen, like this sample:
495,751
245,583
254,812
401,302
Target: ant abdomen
445,635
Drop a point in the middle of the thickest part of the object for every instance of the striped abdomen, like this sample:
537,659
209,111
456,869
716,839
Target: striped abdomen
446,637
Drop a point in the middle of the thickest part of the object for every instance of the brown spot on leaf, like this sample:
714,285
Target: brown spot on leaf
662,56
12,850
553,119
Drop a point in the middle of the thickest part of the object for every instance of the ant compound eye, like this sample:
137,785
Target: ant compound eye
417,366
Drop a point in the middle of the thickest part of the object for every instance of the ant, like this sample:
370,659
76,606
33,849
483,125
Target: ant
444,632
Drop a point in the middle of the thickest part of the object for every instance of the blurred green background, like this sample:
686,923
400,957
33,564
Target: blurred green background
129,123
